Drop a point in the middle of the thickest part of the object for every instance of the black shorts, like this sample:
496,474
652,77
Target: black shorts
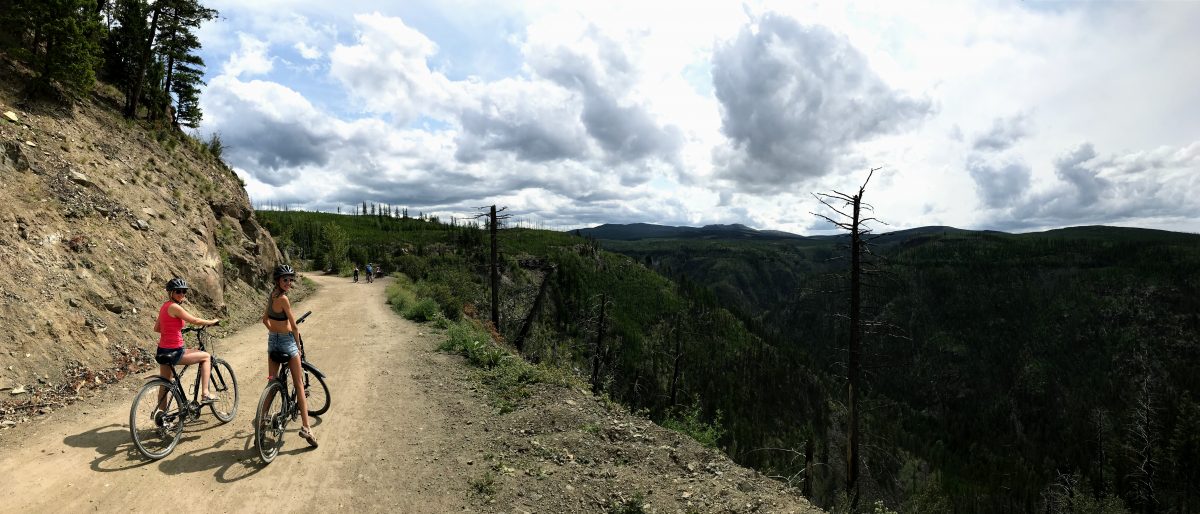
168,356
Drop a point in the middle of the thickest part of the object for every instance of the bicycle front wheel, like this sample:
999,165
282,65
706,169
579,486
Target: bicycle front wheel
156,419
270,422
224,384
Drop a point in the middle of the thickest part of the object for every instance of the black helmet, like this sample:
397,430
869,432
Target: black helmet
283,270
176,283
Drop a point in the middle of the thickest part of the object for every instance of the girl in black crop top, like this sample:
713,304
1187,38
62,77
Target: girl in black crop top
283,338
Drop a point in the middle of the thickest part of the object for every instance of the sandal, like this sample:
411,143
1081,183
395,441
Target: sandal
209,398
307,435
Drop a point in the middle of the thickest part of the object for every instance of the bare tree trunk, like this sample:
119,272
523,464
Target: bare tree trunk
596,355
495,279
854,370
806,489
533,312
677,361
852,222
131,105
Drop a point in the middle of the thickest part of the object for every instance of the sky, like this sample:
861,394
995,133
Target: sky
1014,116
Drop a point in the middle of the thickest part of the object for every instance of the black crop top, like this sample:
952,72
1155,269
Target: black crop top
275,315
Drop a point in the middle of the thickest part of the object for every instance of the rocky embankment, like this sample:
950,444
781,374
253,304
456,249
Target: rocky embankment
96,214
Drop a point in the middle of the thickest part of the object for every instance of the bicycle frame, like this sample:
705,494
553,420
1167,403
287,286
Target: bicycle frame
216,376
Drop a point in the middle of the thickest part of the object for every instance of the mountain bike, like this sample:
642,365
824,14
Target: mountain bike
161,407
278,405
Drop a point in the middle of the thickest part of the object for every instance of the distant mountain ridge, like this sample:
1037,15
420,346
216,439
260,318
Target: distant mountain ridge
639,231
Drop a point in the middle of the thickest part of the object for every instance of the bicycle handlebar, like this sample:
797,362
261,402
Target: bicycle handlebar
200,328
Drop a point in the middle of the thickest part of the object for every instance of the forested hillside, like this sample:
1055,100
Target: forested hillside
1031,372
671,350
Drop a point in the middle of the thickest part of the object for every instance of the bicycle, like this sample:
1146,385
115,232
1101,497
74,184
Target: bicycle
277,406
161,407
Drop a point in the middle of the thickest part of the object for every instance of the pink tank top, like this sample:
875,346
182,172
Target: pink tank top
170,335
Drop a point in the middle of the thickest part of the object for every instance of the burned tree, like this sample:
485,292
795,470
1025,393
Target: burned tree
494,262
853,223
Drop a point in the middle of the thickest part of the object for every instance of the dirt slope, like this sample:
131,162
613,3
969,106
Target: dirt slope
409,430
96,214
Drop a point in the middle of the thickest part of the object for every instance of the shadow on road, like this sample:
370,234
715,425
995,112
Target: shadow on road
229,460
231,464
116,449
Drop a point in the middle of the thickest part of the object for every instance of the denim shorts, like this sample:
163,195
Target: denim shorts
282,342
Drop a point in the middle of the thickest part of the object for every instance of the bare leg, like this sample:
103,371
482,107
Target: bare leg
165,372
298,381
205,362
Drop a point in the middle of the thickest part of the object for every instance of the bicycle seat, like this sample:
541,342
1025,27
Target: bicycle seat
280,357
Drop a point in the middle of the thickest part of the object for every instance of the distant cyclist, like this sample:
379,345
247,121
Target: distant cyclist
356,273
169,325
282,339
370,275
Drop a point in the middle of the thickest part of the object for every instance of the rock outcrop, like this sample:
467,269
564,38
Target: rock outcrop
96,214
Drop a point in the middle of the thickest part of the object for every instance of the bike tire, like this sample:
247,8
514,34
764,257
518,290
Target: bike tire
316,393
154,431
270,423
224,383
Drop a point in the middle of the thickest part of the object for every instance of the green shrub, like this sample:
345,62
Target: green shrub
441,322
421,311
400,296
635,505
689,420
485,486
413,266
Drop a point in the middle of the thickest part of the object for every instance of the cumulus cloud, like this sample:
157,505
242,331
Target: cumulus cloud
268,129
306,51
1000,179
794,99
1005,133
599,70
1092,189
387,70
999,183
535,121
250,59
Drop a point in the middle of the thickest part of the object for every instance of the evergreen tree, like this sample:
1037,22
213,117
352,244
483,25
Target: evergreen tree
177,44
143,59
60,39
122,47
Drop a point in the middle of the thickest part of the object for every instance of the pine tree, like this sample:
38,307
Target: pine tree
143,59
183,69
122,47
59,37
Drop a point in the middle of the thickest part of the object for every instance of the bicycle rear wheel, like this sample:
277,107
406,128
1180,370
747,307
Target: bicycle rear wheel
156,419
224,384
270,422
316,393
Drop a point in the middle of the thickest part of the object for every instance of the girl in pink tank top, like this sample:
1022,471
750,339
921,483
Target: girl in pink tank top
169,325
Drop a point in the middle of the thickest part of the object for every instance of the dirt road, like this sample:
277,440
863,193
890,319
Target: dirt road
380,441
